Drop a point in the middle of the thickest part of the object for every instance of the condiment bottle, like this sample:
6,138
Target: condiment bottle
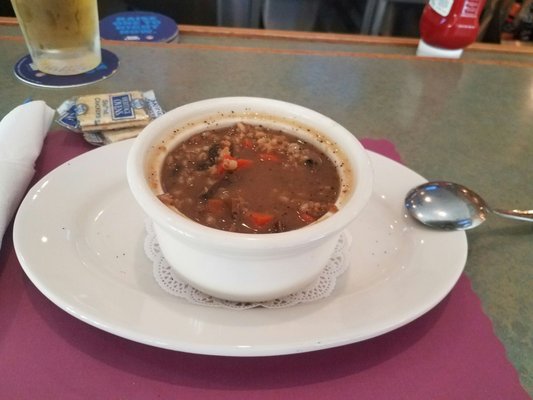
448,26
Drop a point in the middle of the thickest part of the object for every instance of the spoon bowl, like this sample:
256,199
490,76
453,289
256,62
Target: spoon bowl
450,206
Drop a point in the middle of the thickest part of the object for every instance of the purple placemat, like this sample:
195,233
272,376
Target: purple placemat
449,353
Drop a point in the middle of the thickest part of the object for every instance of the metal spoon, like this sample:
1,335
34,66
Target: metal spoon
450,206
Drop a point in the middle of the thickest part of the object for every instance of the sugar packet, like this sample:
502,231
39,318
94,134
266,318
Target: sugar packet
110,117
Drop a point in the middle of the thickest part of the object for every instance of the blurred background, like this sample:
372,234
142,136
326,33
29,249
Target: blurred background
502,19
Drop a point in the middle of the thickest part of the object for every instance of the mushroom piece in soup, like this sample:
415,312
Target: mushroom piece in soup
249,179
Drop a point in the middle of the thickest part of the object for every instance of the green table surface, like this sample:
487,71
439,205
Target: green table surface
469,121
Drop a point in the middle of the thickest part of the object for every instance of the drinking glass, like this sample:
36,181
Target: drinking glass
62,36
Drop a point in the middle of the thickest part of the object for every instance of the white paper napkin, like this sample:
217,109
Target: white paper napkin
22,132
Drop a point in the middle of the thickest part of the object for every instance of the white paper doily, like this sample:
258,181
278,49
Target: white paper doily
320,289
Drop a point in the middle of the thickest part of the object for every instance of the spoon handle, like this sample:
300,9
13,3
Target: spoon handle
523,215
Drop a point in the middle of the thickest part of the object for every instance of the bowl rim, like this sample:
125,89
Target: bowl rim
198,234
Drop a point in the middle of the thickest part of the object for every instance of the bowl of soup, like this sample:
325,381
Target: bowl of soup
248,196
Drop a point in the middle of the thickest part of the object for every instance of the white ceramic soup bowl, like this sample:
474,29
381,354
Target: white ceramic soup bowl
239,266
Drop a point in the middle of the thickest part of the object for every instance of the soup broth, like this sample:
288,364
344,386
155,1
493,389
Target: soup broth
249,179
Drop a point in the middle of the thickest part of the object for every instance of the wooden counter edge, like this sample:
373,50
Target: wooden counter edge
324,37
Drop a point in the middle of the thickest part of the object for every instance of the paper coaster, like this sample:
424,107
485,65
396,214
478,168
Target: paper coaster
27,73
139,26
320,289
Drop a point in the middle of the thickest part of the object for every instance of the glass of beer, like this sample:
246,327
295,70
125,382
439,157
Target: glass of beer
62,36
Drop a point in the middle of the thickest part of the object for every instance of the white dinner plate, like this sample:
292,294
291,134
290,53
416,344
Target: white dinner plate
79,237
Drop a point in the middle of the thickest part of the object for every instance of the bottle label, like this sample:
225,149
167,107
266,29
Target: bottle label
471,8
441,7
